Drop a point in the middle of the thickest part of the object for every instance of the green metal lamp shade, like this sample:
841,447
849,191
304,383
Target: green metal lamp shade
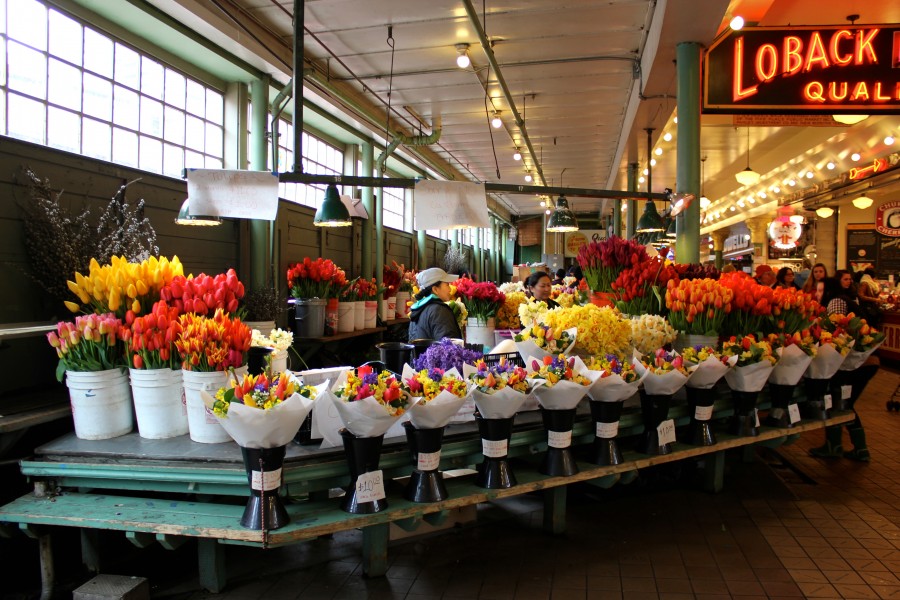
650,220
184,217
332,212
670,231
562,219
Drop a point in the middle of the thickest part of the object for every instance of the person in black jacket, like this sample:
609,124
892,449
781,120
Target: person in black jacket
430,317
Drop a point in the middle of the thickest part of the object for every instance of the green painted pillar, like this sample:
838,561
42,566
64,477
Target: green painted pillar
260,243
422,250
631,213
476,242
617,218
368,225
687,240
379,241
719,259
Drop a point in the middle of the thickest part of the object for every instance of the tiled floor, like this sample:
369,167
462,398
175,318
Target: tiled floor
822,529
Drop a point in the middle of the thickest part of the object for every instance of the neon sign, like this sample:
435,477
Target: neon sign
857,173
828,69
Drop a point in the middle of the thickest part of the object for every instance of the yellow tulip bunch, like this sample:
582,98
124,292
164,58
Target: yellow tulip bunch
122,286
600,330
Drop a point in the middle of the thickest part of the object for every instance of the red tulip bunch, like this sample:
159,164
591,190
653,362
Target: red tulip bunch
601,262
319,278
634,286
482,300
150,339
204,294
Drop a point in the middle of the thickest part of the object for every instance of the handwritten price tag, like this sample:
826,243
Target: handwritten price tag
703,413
666,432
210,416
846,392
794,413
183,403
828,402
756,416
494,448
370,487
428,461
607,430
265,480
559,439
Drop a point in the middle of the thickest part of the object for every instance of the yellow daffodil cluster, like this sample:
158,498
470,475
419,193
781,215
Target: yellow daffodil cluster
565,299
122,286
649,332
600,330
531,312
508,315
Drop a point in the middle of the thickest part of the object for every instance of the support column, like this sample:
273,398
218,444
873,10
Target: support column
260,243
479,263
422,249
379,241
757,227
687,238
368,200
718,238
617,218
631,213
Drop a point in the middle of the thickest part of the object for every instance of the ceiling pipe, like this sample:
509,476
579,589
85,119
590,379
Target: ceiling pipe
489,53
409,140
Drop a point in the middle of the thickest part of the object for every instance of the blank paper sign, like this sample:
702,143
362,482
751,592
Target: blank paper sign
237,194
450,205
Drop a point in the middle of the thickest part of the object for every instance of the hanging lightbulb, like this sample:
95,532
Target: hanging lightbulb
737,23
830,166
889,140
667,136
652,162
527,177
855,156
496,123
462,56
658,151
517,155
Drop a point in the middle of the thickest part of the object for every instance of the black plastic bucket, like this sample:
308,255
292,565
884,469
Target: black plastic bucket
394,355
420,346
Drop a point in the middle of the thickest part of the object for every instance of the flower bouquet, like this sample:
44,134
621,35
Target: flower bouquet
560,384
262,414
482,301
460,313
755,362
499,391
637,288
602,261
404,289
618,382
751,305
90,355
835,345
531,312
649,332
314,278
698,307
795,353
866,338
441,394
540,341
155,369
368,404
446,355
600,330
711,367
508,315
664,374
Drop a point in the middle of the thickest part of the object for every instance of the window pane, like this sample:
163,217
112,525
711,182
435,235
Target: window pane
27,118
2,110
126,108
195,133
97,97
2,16
214,140
125,147
212,163
63,80
151,117
27,71
2,62
97,138
173,160
65,38
151,78
193,160
98,53
214,103
175,88
128,66
63,129
174,126
196,98
28,23
151,154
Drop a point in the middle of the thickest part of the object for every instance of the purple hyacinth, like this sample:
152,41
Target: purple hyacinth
446,355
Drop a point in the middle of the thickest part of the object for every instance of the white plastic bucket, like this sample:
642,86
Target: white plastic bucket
371,314
479,331
264,327
158,403
280,362
400,301
346,314
359,315
386,312
101,403
202,423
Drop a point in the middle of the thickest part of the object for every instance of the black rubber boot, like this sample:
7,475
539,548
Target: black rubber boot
860,452
832,447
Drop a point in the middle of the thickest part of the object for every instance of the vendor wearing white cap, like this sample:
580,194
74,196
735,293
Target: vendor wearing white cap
430,317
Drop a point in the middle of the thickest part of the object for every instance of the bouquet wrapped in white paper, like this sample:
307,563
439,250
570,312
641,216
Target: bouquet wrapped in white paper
369,402
440,394
498,390
565,380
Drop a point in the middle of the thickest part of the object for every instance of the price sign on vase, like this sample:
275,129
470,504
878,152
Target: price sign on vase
370,487
494,448
828,402
846,392
607,430
265,480
559,439
703,413
666,432
428,461
794,413
756,416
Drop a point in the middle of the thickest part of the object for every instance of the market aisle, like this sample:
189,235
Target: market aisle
770,534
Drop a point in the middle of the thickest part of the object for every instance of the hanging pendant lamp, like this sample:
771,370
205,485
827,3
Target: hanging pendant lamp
748,176
332,212
562,219
184,217
671,230
650,221
862,202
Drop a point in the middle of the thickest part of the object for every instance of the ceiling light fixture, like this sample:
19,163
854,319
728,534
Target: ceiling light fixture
809,174
830,166
855,156
528,177
889,140
849,120
517,155
748,176
641,179
562,219
658,151
667,137
824,211
184,217
737,23
650,221
462,56
332,212
798,219
704,201
652,162
776,190
496,123
862,202
791,182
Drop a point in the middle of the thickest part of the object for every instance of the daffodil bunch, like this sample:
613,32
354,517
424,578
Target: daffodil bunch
460,312
92,343
532,311
428,383
553,369
565,296
122,286
491,379
749,350
649,332
384,388
555,341
508,315
612,364
600,330
258,391
866,336
278,339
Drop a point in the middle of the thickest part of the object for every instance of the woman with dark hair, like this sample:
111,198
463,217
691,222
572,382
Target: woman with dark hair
538,288
818,273
560,277
430,317
840,295
785,278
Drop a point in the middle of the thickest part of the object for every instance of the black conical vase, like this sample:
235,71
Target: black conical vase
495,472
701,402
363,454
841,379
814,407
257,359
780,413
743,422
654,410
426,483
558,461
264,509
605,450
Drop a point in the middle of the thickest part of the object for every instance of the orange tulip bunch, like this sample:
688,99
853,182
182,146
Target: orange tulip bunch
214,343
698,306
793,311
752,304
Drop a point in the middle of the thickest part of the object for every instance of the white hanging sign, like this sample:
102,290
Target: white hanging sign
236,194
450,205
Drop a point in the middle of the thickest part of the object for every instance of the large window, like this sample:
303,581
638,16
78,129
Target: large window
394,205
319,158
68,86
